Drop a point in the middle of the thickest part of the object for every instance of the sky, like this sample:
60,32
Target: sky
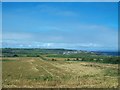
79,25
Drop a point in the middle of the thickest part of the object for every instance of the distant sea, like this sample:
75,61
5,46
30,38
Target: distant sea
109,53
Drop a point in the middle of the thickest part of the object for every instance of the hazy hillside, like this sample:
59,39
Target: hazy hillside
64,53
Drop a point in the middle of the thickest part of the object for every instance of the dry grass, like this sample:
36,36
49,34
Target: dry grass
35,72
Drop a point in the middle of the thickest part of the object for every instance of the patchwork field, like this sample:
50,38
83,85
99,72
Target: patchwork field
36,72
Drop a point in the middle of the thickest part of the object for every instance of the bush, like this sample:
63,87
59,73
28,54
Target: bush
53,59
37,55
77,59
15,55
68,59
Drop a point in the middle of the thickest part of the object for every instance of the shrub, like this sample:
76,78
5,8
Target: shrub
68,59
77,59
15,55
53,59
37,55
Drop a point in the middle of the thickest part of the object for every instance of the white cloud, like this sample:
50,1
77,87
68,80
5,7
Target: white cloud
34,44
69,45
29,45
53,10
80,36
16,36
66,13
49,28
21,45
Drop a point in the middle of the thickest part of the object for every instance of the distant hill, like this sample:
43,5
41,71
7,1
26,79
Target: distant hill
61,53
32,51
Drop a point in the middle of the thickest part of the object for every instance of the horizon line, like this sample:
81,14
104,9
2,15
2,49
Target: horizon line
58,48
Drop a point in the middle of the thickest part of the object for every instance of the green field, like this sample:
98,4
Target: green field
36,72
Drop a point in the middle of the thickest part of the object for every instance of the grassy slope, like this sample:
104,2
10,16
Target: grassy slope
35,72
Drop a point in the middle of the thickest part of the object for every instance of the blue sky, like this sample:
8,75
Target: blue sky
84,26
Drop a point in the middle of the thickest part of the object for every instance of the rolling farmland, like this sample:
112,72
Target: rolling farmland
35,72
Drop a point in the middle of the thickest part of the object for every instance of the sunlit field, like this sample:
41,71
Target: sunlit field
35,72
